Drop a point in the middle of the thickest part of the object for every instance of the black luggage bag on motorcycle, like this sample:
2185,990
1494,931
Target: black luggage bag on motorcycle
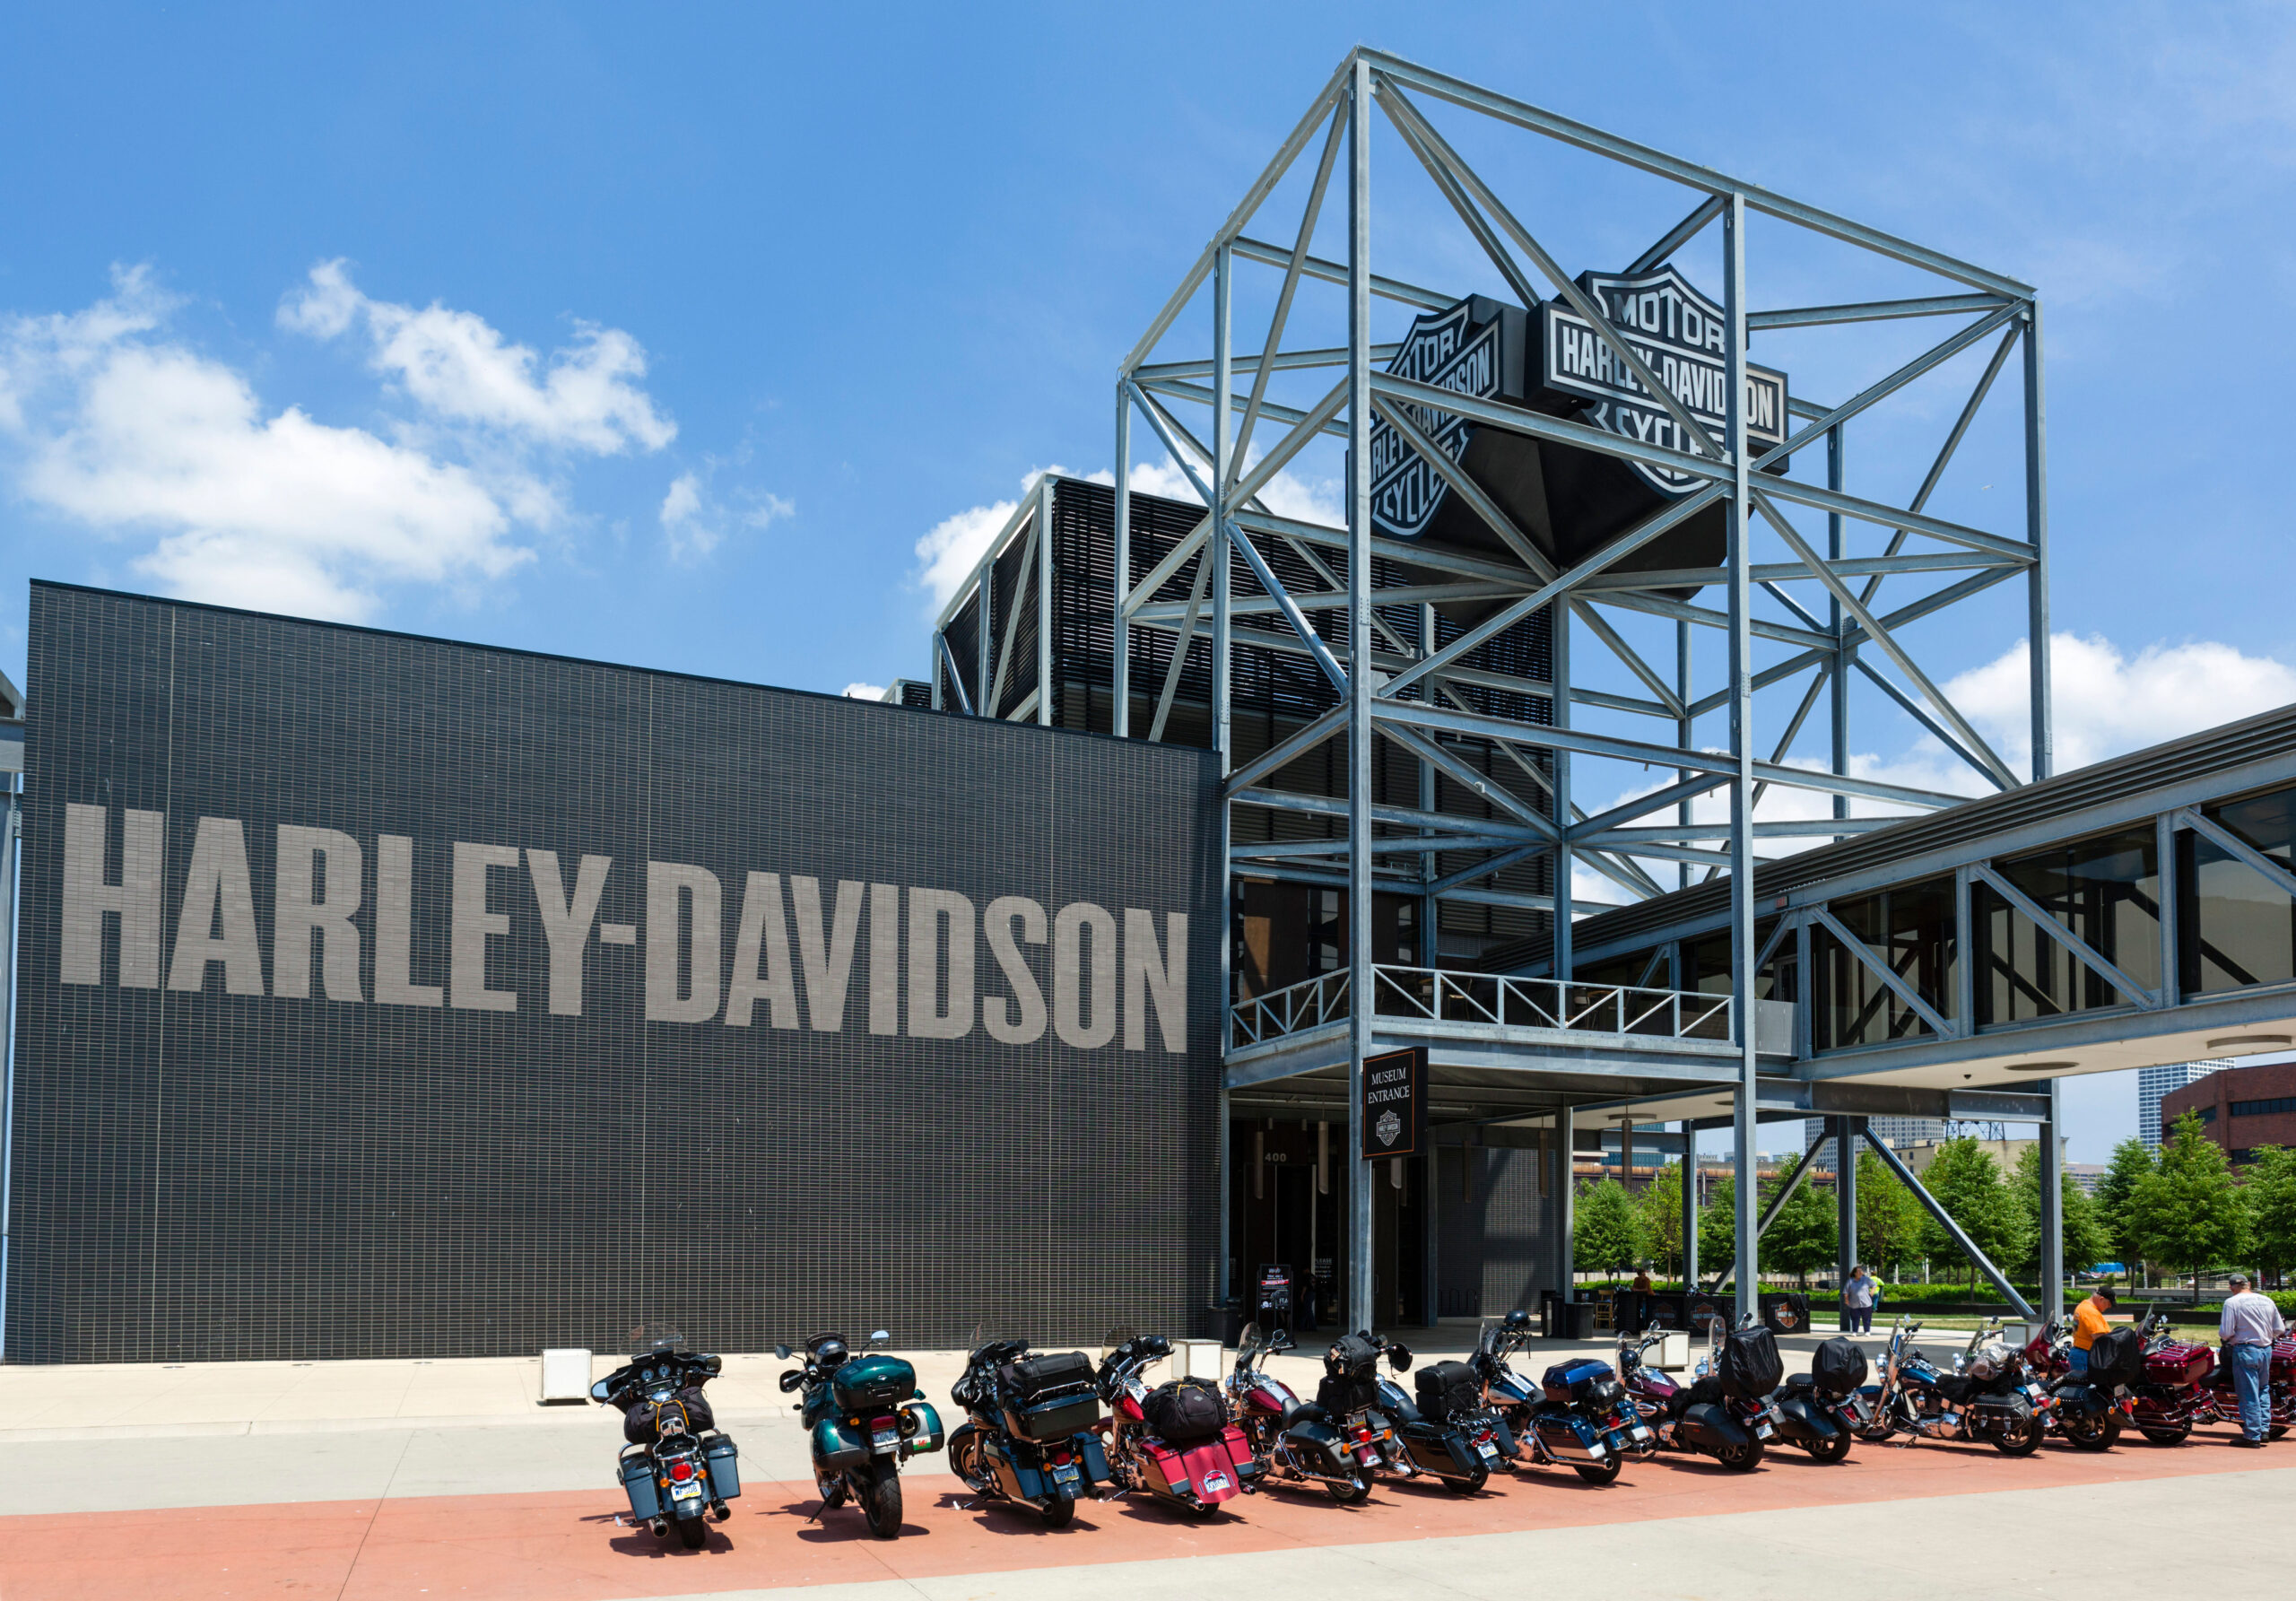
1840,1366
1052,1397
1351,1375
1751,1365
2116,1357
1447,1389
642,1423
1184,1411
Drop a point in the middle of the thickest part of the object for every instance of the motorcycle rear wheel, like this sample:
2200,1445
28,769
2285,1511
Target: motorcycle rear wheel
1350,1492
2275,1430
1470,1484
1059,1512
882,1500
1828,1450
2167,1436
693,1534
1605,1471
1741,1459
2020,1439
2098,1432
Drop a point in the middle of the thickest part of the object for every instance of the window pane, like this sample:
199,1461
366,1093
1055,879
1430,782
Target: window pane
2238,930
1911,928
2107,890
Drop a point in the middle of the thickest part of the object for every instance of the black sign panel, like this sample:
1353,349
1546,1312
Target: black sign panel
389,996
1394,1103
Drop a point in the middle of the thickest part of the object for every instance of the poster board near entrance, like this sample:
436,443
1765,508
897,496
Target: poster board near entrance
1393,1113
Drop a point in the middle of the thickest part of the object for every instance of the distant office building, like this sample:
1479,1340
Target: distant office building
1896,1133
2088,1175
2154,1083
2240,1109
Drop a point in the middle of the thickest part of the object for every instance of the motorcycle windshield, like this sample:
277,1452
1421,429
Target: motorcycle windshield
655,1338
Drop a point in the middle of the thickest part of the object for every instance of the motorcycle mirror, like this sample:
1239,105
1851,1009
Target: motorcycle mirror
598,1391
919,1396
880,1336
782,1351
791,1380
1399,1357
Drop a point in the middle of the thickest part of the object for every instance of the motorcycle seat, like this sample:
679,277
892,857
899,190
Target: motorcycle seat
1306,1412
1800,1382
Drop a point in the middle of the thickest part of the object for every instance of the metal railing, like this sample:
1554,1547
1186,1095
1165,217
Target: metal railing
1434,994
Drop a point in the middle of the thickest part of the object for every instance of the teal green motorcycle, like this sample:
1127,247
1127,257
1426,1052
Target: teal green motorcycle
866,1417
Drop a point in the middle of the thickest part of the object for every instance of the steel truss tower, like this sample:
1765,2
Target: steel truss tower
1813,644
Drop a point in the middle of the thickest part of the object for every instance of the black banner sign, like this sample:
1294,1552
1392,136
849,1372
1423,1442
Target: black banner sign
1394,1103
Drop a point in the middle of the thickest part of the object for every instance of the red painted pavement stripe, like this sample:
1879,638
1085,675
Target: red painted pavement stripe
564,1547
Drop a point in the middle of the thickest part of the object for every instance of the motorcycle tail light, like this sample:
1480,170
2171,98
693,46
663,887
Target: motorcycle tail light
681,1471
1060,1458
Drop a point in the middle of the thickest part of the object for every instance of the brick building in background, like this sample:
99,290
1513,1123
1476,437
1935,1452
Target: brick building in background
2239,1108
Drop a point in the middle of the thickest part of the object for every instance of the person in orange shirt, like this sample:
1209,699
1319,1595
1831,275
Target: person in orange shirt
2088,1322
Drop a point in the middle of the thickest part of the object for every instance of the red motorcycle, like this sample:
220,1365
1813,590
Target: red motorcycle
2219,1403
2173,1395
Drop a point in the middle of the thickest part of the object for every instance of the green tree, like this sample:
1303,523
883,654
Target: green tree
1607,1235
1966,1182
2087,1243
2131,1161
1888,1219
2187,1213
1717,1230
1659,1207
1805,1233
2271,1210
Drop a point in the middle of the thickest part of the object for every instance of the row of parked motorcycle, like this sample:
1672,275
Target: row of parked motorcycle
1035,1435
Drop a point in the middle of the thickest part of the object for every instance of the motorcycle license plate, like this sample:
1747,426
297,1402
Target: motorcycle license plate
1215,1482
1763,1432
1489,1450
1639,1431
1066,1474
886,1440
688,1490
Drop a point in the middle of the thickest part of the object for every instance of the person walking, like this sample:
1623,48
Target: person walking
2089,1322
2249,1325
1857,1302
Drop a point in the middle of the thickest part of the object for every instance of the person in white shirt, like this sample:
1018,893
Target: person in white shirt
2249,1325
1857,1303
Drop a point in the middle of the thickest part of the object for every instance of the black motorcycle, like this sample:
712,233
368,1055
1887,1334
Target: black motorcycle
863,1417
1578,1416
1449,1432
1028,1435
676,1466
1293,1440
1351,1397
1724,1411
1821,1410
1988,1396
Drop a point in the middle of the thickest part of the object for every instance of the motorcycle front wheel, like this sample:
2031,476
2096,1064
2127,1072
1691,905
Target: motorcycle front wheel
2021,1439
1605,1471
1059,1512
881,1500
964,1458
1350,1491
1829,1451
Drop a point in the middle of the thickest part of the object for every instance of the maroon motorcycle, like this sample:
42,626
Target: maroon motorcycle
2173,1394
2219,1403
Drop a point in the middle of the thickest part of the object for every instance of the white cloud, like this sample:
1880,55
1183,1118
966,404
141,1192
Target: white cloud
112,424
864,691
694,524
458,368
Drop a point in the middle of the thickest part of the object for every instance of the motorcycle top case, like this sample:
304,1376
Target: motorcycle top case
1352,1356
1838,1366
1034,1378
2117,1356
2176,1363
1447,1388
1575,1383
1751,1365
1184,1411
873,1383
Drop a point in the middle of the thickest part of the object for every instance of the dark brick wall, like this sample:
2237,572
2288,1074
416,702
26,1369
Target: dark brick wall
202,1175
2267,1093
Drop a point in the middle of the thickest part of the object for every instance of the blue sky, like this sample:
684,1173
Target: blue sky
667,336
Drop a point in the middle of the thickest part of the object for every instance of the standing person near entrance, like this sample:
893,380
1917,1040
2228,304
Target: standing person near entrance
2089,1322
1857,1302
2249,1325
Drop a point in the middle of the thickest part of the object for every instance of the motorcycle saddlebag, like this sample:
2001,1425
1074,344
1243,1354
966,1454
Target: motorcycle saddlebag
920,1426
1838,1366
2117,1356
1352,1356
1184,1411
1034,1378
1567,1438
1447,1389
2176,1363
838,1444
866,1384
1751,1365
1575,1383
1446,1454
724,1460
637,1480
